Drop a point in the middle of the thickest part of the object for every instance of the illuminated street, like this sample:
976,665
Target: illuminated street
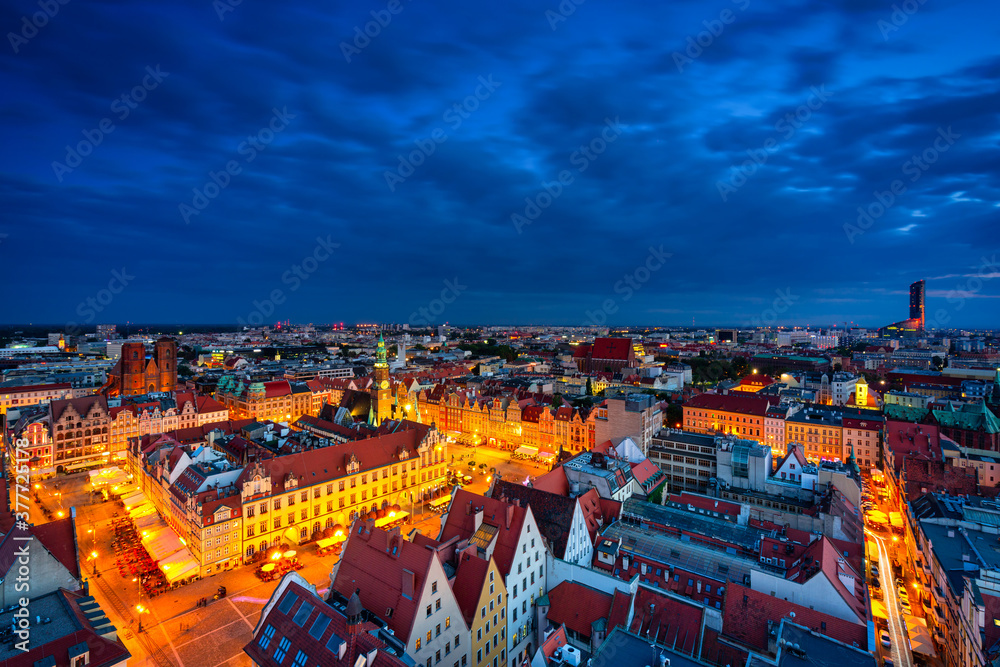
901,656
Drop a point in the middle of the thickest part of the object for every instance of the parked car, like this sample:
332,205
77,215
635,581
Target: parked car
887,662
886,642
876,583
875,571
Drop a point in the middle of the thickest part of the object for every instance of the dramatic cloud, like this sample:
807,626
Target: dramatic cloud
351,164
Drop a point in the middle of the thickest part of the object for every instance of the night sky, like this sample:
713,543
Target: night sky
716,153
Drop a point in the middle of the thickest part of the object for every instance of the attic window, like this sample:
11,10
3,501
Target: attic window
388,612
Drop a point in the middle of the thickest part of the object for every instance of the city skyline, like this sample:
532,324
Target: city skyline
567,164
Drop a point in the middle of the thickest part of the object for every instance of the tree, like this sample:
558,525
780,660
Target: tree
590,387
557,401
837,367
477,369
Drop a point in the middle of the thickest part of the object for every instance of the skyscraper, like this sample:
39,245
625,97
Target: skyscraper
917,304
914,325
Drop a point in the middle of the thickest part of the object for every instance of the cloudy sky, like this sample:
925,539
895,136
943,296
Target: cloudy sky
723,162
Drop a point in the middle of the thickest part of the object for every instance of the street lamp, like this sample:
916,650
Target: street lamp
142,610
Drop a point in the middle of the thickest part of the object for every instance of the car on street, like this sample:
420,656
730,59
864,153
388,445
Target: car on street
876,583
899,582
887,662
886,642
874,571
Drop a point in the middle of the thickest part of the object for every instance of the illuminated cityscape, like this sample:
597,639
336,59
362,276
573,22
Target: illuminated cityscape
530,335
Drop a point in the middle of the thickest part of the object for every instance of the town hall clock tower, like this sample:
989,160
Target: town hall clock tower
381,395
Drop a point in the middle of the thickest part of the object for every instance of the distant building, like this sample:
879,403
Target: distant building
914,325
606,355
135,374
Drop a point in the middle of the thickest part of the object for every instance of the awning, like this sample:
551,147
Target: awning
161,543
179,565
328,542
146,521
441,502
878,517
897,519
142,510
392,517
546,454
136,498
525,450
879,610
920,638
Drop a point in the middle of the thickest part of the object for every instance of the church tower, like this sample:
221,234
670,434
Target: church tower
381,396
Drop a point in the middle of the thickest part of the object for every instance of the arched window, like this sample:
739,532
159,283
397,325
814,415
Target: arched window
329,522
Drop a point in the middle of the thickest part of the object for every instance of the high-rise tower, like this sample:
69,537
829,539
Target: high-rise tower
381,396
917,304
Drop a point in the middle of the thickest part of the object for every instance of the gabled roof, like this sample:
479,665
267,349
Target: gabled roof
738,402
82,405
462,524
668,620
577,606
60,539
553,482
554,513
747,612
388,572
319,638
612,348
831,564
468,584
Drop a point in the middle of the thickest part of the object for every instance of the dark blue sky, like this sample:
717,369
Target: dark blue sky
653,135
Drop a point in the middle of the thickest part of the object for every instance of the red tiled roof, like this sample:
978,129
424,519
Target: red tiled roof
358,644
706,503
553,482
59,537
207,404
468,584
668,620
82,405
715,652
369,566
644,470
739,402
463,525
747,612
103,652
620,604
556,640
577,606
830,566
277,388
612,348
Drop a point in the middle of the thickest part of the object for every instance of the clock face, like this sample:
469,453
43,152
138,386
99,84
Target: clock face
385,384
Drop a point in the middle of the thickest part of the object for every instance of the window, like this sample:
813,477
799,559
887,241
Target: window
300,659
437,655
437,630
447,622
283,646
479,636
457,637
447,648
428,636
434,587
265,637
341,486
418,643
479,655
428,612
437,604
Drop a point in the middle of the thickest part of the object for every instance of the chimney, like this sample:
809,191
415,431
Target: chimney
510,515
369,525
468,509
